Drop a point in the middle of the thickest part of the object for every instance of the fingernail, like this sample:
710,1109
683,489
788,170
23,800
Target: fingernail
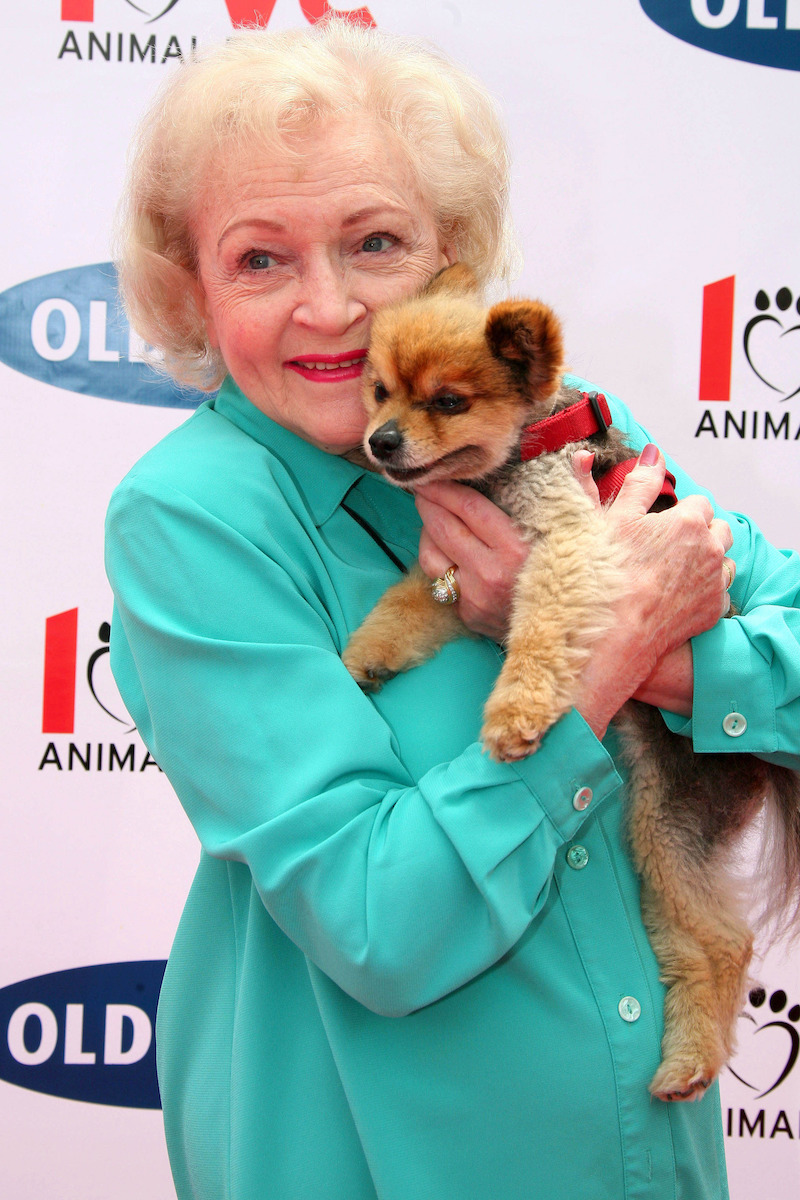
586,463
649,456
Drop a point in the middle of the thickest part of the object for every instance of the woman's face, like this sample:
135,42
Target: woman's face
295,256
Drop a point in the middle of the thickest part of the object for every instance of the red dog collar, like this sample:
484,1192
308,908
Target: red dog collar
588,417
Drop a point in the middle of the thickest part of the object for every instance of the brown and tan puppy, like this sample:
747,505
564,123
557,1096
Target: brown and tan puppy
449,387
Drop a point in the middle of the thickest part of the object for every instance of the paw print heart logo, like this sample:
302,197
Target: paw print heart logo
772,343
767,1050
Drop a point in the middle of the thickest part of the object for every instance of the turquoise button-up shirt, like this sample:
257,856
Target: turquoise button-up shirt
389,980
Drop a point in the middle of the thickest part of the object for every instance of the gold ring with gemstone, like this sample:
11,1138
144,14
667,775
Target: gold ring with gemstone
445,589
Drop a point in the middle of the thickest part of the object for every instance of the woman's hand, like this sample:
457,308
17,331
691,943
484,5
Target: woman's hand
675,562
678,579
461,526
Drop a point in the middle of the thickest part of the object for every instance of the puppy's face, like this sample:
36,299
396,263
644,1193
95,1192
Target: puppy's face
449,385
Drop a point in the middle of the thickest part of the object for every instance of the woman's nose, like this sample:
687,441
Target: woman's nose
326,303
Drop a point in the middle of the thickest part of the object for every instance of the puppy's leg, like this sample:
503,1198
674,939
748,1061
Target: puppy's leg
704,952
562,604
702,945
406,627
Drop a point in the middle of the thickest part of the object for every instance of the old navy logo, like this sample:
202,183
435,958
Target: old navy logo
84,1034
68,329
766,32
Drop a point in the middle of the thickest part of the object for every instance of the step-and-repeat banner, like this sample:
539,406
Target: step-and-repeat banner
656,187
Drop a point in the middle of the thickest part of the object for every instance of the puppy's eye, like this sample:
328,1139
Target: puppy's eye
381,392
449,402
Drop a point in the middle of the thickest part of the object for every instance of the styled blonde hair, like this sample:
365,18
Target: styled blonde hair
265,88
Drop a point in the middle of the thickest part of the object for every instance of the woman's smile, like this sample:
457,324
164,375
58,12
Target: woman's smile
329,368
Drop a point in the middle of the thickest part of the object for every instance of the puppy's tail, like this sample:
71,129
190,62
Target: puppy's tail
778,916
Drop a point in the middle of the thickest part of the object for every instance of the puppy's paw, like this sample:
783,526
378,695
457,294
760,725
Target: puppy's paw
683,1080
508,733
368,670
515,719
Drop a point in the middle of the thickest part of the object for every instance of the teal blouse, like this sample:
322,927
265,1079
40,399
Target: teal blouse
403,971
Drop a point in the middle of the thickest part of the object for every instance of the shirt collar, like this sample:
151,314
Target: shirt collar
324,479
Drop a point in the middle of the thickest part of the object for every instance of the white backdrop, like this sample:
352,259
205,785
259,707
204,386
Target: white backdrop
650,162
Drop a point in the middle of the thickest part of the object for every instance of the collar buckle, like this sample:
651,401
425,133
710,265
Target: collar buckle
594,399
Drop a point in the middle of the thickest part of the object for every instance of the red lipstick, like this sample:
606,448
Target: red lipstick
328,368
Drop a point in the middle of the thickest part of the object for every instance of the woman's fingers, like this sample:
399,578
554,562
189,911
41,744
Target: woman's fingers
447,529
460,512
582,463
729,567
722,531
462,528
729,574
433,561
676,560
641,486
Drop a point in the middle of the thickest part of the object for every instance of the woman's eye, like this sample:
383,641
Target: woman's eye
449,402
377,242
260,262
381,392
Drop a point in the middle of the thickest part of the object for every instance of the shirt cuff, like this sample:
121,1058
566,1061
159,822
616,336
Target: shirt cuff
733,709
677,723
579,774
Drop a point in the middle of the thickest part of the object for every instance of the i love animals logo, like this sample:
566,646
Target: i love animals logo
772,342
241,12
766,325
769,1042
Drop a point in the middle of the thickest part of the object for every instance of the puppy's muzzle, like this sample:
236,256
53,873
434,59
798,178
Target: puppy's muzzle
386,440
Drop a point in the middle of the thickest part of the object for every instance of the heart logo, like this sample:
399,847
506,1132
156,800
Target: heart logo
767,1052
153,11
772,344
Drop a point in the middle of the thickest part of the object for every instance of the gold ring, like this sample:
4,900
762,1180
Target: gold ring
445,589
730,576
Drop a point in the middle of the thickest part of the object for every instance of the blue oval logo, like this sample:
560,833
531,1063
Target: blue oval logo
84,1034
69,329
766,32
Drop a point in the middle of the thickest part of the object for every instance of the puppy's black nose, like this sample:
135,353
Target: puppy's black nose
385,440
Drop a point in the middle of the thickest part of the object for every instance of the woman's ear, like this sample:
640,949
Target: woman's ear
447,255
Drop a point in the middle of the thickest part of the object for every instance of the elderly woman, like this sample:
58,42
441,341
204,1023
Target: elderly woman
404,970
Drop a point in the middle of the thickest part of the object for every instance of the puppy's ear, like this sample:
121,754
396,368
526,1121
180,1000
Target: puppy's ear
458,280
526,335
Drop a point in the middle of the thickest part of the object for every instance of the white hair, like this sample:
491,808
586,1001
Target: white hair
267,88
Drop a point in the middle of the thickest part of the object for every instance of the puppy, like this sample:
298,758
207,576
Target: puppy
454,391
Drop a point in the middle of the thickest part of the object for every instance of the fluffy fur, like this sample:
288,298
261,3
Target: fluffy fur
449,388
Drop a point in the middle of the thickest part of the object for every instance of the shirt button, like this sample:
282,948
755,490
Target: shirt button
577,857
582,798
629,1008
734,724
